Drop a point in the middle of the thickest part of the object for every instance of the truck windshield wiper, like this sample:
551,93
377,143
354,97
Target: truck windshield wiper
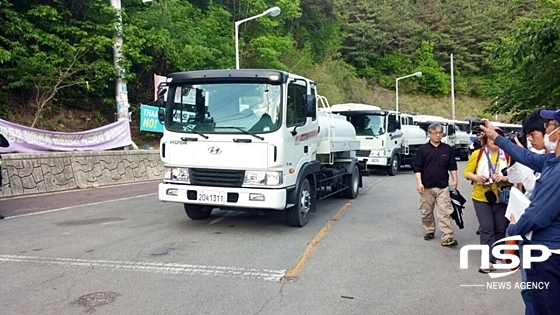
198,133
242,130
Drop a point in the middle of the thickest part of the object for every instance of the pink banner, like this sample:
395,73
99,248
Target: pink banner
23,139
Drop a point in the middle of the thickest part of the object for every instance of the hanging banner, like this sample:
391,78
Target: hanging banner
26,140
149,120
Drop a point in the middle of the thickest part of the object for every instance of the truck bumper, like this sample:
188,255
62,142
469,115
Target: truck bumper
377,161
222,197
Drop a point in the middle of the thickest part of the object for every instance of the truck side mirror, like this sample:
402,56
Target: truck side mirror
161,115
160,100
310,105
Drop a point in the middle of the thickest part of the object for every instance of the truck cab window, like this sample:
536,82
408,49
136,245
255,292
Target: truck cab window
294,110
392,126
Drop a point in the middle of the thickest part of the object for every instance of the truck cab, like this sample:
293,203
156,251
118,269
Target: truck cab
449,132
251,139
463,140
384,141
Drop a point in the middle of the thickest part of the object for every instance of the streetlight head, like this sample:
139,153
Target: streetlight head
146,1
418,74
274,11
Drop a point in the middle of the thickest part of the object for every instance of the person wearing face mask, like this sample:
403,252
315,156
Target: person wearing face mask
534,126
551,136
542,217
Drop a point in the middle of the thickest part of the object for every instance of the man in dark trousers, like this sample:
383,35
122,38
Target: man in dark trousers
432,165
4,144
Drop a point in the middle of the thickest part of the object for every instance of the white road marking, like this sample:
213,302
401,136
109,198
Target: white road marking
78,206
153,267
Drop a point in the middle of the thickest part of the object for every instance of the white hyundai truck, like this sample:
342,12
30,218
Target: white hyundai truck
252,140
388,141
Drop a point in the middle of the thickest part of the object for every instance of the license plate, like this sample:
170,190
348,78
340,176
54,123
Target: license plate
211,196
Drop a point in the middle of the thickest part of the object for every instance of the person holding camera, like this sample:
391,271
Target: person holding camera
532,138
485,170
542,217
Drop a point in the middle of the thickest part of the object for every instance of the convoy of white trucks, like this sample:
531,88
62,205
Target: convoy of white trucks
258,139
387,141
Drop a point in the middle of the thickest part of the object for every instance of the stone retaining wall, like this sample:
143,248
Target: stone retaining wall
25,173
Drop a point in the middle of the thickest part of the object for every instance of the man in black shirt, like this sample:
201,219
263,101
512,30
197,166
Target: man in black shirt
434,160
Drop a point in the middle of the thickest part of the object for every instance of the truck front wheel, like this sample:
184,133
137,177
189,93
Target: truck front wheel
197,212
393,168
297,215
352,181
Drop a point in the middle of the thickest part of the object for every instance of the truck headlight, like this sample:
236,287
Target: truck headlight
263,178
177,174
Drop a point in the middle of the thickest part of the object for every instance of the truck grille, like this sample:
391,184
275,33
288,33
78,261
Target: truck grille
223,178
363,153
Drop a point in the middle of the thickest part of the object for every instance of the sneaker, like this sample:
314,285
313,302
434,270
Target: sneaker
449,242
488,270
1,217
428,236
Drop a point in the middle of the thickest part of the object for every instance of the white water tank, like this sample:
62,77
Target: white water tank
351,107
413,135
335,134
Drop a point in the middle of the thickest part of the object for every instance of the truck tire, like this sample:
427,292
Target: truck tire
197,212
297,215
393,167
352,181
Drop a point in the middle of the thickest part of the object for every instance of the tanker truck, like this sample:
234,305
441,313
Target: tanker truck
389,139
252,139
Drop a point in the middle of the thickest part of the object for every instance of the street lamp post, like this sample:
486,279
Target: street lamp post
416,74
274,11
120,86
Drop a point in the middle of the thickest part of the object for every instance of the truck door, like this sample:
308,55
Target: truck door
300,132
451,135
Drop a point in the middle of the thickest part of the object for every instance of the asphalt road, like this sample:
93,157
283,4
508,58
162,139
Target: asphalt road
105,250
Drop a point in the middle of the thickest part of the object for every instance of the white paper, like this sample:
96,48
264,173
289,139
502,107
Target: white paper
517,205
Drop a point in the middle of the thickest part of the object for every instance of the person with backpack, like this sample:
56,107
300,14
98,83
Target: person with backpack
484,170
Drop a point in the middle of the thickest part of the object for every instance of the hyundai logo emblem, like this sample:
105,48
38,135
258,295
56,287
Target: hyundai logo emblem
214,150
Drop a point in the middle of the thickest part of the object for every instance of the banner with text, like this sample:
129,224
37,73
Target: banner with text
149,120
26,140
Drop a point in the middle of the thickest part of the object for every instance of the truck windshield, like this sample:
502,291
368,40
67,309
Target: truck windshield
224,108
368,125
463,127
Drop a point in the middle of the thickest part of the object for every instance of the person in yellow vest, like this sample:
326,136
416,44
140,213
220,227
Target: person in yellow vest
484,170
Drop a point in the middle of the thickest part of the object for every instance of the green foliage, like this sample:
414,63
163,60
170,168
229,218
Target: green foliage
55,52
527,66
434,80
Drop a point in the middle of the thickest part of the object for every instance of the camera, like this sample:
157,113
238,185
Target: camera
520,135
475,126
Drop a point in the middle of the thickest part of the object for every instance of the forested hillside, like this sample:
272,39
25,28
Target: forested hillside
56,57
